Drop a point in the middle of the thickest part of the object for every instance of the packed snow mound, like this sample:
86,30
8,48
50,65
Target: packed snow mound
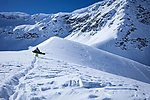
77,53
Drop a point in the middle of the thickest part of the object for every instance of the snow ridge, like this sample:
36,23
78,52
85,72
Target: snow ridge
87,56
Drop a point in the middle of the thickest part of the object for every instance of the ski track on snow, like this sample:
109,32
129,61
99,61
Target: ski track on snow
14,82
54,79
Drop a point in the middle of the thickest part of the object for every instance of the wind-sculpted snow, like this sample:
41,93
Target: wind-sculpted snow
12,69
87,56
53,79
70,70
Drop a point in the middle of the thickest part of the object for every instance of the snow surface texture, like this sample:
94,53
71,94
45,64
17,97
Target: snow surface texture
70,69
118,26
53,77
95,58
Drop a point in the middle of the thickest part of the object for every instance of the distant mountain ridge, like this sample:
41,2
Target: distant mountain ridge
121,27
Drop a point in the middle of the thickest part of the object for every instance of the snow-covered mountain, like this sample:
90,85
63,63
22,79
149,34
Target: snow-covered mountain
103,53
29,30
121,27
71,70
118,26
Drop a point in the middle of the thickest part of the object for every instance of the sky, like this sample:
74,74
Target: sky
43,6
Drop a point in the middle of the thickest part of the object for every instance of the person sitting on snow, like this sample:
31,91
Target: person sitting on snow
37,51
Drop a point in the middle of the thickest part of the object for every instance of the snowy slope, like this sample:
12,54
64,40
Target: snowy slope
87,56
13,19
73,70
117,26
54,77
29,30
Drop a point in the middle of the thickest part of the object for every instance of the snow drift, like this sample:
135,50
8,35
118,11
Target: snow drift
88,56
